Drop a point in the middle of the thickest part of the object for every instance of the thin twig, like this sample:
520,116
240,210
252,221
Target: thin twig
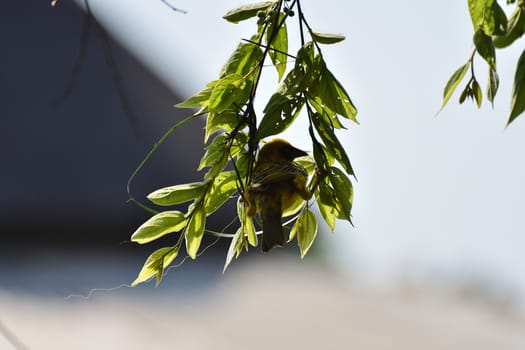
173,7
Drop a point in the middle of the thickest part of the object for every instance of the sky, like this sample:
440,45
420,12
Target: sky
437,195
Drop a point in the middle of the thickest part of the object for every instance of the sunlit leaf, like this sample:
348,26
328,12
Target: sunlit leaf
246,223
155,265
246,11
226,120
200,99
233,249
223,187
492,86
325,38
334,96
326,112
467,92
279,114
515,29
194,231
306,230
242,61
326,132
482,15
500,19
216,156
232,89
453,82
485,47
278,44
517,104
177,194
159,225
476,92
329,214
343,190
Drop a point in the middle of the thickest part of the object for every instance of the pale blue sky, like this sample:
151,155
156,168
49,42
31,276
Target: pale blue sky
436,195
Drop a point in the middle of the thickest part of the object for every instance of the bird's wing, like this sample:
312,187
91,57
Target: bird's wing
276,172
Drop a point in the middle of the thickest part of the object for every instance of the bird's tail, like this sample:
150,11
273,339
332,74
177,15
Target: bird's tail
273,233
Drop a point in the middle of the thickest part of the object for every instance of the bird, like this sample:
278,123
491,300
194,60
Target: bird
277,183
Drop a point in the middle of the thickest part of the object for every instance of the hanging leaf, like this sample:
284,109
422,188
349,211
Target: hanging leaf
343,191
485,47
155,265
243,60
517,104
482,15
453,82
326,132
177,194
226,120
324,38
492,87
476,92
247,227
515,29
230,91
194,231
278,44
233,249
159,225
224,186
334,96
306,228
246,11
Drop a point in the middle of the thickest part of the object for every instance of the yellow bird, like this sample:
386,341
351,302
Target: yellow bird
277,184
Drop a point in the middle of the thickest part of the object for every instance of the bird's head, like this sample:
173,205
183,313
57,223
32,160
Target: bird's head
278,150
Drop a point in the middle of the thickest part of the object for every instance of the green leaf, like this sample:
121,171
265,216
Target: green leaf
517,104
343,191
194,231
324,38
177,194
515,29
476,92
159,225
500,19
233,250
279,114
485,47
155,265
329,214
306,228
482,15
230,90
493,84
216,156
278,45
334,96
467,92
224,186
246,11
242,61
226,120
453,82
200,99
247,227
326,132
326,112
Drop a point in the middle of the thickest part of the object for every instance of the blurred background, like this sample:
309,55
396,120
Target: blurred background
435,257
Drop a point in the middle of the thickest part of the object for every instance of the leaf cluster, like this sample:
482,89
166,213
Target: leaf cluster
233,134
492,31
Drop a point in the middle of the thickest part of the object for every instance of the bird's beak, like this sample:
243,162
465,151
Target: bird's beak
293,152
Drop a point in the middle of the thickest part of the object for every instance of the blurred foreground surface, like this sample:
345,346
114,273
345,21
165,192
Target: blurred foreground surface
260,303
